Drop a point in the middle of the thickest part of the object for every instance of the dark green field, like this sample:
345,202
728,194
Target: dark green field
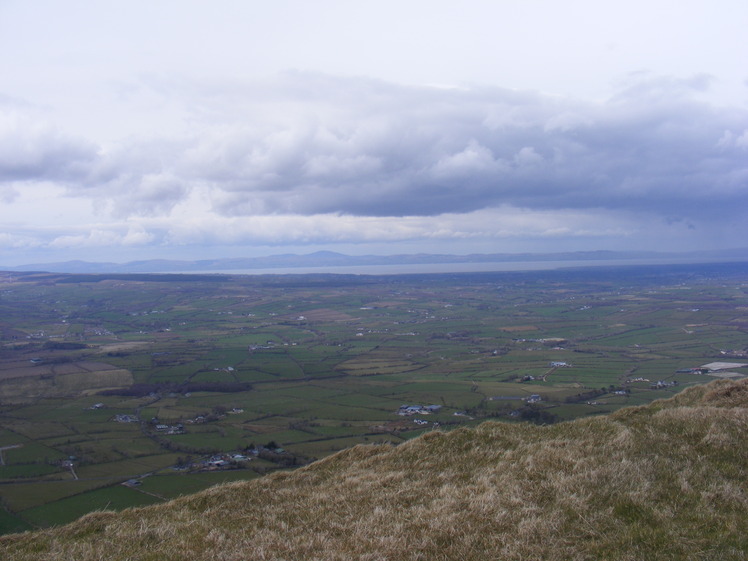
286,369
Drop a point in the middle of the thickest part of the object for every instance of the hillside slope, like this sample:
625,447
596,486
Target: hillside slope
663,481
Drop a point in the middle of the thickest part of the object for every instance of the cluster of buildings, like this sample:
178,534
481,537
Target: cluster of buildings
659,384
408,410
230,460
126,419
170,429
218,461
268,345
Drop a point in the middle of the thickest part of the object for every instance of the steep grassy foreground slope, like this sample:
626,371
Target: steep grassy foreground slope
664,481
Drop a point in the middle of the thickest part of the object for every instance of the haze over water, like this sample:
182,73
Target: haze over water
425,268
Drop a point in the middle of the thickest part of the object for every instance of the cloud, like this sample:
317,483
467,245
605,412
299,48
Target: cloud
368,148
32,149
502,223
732,139
313,145
12,241
8,193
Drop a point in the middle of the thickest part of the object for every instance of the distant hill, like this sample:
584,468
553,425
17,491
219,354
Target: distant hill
333,259
662,481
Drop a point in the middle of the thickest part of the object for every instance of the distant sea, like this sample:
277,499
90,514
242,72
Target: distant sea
424,268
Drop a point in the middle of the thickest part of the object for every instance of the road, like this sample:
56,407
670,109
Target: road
2,460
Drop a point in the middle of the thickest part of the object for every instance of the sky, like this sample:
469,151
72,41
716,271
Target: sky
185,129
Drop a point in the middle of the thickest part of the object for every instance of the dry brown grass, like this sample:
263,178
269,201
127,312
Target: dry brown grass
26,389
665,481
513,328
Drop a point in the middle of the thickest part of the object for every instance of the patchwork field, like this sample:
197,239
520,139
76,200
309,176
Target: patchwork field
118,391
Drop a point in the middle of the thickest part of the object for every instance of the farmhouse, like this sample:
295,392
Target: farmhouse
407,410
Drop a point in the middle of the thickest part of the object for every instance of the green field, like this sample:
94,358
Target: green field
104,380
116,497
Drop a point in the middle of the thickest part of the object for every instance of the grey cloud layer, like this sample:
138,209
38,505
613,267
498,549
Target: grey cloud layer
310,144
33,150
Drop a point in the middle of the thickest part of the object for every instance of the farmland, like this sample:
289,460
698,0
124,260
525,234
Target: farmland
120,390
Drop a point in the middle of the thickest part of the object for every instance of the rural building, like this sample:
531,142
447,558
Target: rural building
407,410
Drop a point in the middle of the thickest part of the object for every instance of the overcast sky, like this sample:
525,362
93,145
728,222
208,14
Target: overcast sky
195,129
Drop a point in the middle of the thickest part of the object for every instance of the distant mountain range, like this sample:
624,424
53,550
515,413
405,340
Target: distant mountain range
333,259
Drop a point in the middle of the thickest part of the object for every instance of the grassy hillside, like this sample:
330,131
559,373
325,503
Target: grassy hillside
663,481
